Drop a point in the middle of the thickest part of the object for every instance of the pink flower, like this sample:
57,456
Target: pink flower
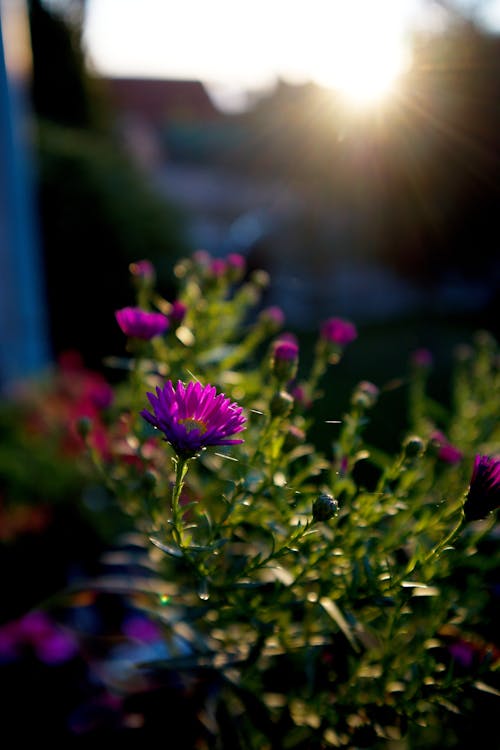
422,358
284,350
273,316
446,452
140,324
483,496
178,312
143,270
338,331
194,417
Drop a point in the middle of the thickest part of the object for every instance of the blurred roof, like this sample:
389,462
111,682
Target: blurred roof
162,100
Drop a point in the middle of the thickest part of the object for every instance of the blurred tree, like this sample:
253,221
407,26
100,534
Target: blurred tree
98,211
421,173
59,84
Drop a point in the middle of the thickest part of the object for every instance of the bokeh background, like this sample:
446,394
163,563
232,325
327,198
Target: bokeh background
350,148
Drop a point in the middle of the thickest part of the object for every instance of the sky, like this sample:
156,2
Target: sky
355,46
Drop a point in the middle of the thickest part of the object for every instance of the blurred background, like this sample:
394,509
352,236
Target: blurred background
350,148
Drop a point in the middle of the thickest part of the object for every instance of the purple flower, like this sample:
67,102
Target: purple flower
236,266
143,270
218,268
178,311
338,331
142,629
193,417
273,316
483,496
236,260
140,324
284,359
445,451
285,350
422,358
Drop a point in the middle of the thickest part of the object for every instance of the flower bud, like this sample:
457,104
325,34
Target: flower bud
365,395
422,359
284,360
413,446
272,317
338,332
324,508
281,404
84,427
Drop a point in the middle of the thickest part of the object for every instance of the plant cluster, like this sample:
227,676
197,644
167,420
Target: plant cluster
310,603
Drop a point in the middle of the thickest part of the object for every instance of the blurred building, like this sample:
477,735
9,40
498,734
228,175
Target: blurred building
148,111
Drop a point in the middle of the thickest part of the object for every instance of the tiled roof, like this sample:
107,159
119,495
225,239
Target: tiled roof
162,100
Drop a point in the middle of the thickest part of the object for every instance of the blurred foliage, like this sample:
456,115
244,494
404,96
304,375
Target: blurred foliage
98,214
97,210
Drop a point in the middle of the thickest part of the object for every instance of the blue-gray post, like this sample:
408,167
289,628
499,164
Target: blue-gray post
24,345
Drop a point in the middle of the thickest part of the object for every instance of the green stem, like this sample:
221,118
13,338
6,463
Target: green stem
181,467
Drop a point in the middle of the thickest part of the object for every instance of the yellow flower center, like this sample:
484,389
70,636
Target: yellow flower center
191,424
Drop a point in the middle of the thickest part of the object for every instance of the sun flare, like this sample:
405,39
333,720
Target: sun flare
361,53
355,47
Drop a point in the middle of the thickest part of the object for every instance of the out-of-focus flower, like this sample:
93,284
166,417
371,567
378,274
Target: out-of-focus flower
236,266
422,358
299,395
141,628
445,451
194,417
37,631
273,316
338,331
177,312
143,270
218,268
284,359
141,324
483,496
365,394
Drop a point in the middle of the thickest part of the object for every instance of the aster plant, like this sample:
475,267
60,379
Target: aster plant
316,585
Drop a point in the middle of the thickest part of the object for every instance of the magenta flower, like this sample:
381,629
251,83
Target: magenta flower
218,268
285,350
445,451
483,496
194,417
338,331
236,260
273,316
422,358
178,311
140,324
284,359
143,270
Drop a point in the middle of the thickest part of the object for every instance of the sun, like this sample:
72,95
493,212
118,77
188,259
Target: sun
360,52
